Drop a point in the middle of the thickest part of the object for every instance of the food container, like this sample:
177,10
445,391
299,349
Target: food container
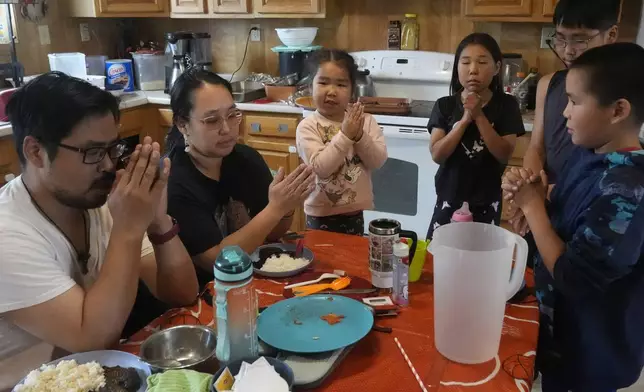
182,347
95,65
298,36
96,80
72,64
280,367
149,70
279,93
120,72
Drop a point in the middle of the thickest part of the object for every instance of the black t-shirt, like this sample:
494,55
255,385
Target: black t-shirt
557,140
207,210
472,173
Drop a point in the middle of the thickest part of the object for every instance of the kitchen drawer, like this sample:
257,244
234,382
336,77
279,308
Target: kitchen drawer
520,149
132,122
165,117
270,125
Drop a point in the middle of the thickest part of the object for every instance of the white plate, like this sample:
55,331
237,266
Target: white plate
306,254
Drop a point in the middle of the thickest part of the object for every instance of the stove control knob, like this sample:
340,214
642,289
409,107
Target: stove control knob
362,62
446,65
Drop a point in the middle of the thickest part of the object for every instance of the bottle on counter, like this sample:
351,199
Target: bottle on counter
410,32
532,88
401,273
463,214
520,91
393,35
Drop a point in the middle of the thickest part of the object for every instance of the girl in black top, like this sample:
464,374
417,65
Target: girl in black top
474,132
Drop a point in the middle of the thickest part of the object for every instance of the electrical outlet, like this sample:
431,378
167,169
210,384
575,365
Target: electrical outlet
43,34
84,32
546,33
256,34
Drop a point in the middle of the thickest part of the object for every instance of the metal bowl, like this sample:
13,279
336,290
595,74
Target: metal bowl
181,347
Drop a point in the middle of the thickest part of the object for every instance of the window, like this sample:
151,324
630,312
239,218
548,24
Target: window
5,38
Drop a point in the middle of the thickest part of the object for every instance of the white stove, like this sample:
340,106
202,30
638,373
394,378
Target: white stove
404,187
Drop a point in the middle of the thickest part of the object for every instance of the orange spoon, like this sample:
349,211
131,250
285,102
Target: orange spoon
336,285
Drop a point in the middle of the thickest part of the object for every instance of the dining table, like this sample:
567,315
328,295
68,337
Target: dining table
376,363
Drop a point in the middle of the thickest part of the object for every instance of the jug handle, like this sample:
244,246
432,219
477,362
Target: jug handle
518,271
414,237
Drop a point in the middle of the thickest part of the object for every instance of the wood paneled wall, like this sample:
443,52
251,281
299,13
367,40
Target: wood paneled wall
64,36
361,25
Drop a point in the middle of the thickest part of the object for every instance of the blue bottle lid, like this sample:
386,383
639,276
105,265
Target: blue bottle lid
233,265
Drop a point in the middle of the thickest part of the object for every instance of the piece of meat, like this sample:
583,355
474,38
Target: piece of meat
332,318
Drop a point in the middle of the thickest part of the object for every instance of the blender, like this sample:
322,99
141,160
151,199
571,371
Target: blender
178,56
200,51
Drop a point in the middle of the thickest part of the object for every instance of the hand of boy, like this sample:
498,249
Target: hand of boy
353,121
529,192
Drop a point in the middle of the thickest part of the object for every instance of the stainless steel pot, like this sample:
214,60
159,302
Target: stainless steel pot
364,85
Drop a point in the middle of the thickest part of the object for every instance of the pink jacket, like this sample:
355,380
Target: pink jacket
343,167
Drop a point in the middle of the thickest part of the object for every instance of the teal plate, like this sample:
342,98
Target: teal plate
295,325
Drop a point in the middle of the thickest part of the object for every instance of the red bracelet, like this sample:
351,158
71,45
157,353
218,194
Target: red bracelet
160,239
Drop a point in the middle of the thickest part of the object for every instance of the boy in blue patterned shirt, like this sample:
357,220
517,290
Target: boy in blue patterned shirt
590,268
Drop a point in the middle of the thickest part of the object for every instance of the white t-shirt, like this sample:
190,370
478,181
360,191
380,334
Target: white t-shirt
37,264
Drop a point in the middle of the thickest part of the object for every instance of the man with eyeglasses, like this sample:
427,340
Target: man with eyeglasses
580,25
76,266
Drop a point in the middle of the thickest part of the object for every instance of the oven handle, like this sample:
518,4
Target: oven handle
405,133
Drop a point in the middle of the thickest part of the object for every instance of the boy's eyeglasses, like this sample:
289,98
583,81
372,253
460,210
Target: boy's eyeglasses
216,122
576,44
94,155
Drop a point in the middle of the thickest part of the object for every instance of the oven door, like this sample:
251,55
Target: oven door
404,187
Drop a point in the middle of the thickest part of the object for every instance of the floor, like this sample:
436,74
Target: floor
638,387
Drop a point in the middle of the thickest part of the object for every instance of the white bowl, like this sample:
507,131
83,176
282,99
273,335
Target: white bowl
297,36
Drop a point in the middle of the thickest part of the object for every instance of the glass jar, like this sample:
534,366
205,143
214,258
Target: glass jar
409,36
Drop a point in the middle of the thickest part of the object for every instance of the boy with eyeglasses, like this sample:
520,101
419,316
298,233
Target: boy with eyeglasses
580,25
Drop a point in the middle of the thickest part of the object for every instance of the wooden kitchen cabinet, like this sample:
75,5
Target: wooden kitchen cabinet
231,6
9,163
497,8
189,6
549,7
286,6
117,8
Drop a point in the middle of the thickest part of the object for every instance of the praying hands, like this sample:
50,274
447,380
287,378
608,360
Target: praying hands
524,190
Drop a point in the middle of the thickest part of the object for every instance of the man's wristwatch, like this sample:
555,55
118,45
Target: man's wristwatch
160,239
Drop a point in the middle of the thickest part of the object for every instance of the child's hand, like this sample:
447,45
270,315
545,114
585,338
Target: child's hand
353,121
529,193
467,117
473,105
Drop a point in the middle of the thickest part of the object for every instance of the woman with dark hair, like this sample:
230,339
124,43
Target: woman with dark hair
222,193
474,131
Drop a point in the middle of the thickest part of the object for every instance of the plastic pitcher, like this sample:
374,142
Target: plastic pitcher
236,306
474,276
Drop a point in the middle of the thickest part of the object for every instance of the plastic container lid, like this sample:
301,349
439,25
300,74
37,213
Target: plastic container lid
233,265
411,15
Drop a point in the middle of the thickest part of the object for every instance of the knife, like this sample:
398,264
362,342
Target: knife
349,291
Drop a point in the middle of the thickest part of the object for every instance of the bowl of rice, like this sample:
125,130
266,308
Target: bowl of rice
279,261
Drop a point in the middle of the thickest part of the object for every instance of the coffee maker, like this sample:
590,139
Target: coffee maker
178,59
200,51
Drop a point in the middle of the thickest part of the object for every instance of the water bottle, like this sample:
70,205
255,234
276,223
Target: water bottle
401,274
463,214
236,306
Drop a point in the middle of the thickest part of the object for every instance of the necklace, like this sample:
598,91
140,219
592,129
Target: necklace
82,256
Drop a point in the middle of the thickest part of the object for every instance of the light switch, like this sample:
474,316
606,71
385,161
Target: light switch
84,32
43,33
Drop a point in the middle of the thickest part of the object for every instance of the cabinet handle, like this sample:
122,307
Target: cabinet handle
282,128
255,127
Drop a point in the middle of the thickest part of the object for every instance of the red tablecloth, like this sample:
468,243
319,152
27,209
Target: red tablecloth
376,364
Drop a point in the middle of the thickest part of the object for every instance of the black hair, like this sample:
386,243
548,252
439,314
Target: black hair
181,100
590,14
614,72
50,106
337,56
490,44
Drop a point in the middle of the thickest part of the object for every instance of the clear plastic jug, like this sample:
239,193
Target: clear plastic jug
474,276
236,306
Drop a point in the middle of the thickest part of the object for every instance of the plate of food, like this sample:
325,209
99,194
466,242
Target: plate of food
279,261
314,324
93,371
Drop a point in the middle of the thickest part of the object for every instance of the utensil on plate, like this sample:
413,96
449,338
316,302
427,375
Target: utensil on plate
350,291
337,284
325,275
299,249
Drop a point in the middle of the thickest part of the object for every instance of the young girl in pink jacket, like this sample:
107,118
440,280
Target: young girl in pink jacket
342,144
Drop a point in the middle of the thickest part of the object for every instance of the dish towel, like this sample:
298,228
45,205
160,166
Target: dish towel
179,381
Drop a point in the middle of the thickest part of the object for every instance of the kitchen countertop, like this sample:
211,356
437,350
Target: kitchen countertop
140,98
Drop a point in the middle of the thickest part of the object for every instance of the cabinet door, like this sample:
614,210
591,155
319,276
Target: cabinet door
132,6
498,7
287,6
189,6
549,7
230,7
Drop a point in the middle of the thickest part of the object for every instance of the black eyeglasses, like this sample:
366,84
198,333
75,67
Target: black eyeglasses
94,155
575,44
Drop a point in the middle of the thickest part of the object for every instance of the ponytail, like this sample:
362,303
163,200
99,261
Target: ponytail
174,141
